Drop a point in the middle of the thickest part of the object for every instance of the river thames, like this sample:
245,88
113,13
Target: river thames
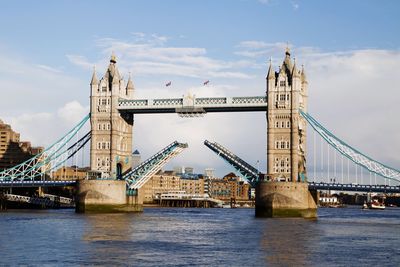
200,237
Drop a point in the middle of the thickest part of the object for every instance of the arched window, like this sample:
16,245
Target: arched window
288,124
277,145
277,124
283,124
283,145
287,145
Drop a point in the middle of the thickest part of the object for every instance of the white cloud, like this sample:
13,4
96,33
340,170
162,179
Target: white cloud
259,49
295,5
73,112
29,87
80,61
149,55
44,128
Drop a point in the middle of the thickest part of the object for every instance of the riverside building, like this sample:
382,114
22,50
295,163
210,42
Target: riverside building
12,150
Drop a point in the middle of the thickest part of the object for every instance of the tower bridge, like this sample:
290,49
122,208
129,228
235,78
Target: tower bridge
284,192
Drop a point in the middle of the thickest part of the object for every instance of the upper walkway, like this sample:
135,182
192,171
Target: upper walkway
191,104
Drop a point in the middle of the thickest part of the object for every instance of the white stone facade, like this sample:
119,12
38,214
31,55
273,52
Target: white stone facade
111,142
286,133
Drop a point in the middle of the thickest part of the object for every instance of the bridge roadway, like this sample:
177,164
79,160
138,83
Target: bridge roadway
190,104
311,186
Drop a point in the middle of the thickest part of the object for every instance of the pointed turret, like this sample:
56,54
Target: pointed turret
112,73
287,62
303,75
271,72
94,77
295,72
129,87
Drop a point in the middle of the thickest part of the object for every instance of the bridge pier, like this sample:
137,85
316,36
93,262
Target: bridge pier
105,196
284,199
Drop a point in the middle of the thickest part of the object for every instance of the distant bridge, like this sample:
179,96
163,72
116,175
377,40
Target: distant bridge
311,185
354,187
9,184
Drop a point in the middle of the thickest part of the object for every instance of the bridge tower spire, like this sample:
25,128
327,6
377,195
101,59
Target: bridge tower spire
286,94
111,145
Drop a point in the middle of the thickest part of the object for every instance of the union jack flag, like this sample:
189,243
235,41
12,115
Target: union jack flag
168,83
206,82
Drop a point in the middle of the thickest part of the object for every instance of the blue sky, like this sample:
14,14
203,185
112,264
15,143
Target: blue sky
350,50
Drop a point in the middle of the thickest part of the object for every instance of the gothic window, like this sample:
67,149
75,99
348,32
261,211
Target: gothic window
288,124
282,97
277,124
104,89
283,124
282,83
277,97
104,145
287,144
98,147
108,126
99,126
283,145
104,101
277,145
104,126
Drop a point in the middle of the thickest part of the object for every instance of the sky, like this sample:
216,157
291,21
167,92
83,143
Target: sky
350,51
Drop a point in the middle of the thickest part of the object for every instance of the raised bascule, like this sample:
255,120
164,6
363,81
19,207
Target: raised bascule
116,187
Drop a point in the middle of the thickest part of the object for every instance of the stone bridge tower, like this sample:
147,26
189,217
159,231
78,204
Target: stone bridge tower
286,138
285,191
111,142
